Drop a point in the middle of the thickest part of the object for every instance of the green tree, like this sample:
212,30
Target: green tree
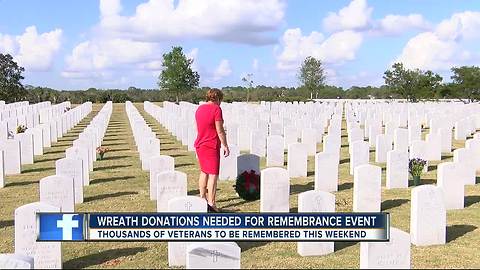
412,84
11,88
312,76
177,76
249,82
466,80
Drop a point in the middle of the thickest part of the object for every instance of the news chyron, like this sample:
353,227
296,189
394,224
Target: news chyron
361,227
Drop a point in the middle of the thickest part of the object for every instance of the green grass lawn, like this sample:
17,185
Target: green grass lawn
119,184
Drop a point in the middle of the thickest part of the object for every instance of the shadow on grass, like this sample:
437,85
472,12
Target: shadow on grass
248,245
183,165
345,186
110,195
110,144
115,157
6,223
456,231
294,210
195,192
432,168
178,155
310,173
23,183
389,204
119,149
471,200
111,167
295,189
477,180
38,169
446,157
342,245
110,179
422,182
101,257
47,160
53,152
345,160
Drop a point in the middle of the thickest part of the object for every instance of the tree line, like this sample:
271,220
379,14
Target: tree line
177,81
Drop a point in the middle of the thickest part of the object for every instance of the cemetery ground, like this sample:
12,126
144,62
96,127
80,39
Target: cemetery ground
118,184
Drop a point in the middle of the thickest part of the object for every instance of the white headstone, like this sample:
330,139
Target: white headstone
315,201
15,261
451,179
394,254
400,139
275,190
258,143
297,160
367,190
467,157
72,168
58,191
37,140
45,254
275,150
326,172
248,162
309,138
428,217
383,144
213,255
170,185
158,164
228,165
12,152
26,147
2,171
82,154
397,169
360,154
177,251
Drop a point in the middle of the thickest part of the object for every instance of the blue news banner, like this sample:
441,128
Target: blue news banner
213,227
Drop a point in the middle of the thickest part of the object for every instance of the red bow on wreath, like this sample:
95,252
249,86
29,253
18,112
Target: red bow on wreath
251,180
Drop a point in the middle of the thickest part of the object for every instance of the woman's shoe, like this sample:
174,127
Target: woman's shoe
212,209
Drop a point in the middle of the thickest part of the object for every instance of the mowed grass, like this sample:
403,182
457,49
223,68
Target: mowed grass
119,184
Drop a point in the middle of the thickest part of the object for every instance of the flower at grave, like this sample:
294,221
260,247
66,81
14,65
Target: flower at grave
101,151
21,129
416,166
248,185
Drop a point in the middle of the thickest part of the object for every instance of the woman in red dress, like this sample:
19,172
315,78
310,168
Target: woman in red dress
211,136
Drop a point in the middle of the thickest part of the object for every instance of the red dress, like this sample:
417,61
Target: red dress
207,144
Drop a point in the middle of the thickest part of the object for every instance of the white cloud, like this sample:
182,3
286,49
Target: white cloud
92,58
355,16
335,50
32,50
109,8
397,24
243,21
255,64
445,46
223,70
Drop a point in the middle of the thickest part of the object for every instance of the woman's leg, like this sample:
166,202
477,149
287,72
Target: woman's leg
212,189
202,184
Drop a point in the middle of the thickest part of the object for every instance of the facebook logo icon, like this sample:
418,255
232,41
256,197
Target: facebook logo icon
60,227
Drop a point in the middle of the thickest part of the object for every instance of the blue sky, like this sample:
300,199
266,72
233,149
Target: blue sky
78,44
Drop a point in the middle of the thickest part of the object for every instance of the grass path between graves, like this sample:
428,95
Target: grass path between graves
119,184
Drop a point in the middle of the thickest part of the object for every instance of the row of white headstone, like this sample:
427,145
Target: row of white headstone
367,178
58,193
169,188
22,148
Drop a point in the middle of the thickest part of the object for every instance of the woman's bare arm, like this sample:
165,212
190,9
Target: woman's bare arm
222,135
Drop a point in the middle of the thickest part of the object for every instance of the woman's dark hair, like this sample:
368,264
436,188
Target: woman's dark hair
214,95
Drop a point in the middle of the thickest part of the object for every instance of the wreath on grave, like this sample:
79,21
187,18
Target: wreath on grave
248,185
